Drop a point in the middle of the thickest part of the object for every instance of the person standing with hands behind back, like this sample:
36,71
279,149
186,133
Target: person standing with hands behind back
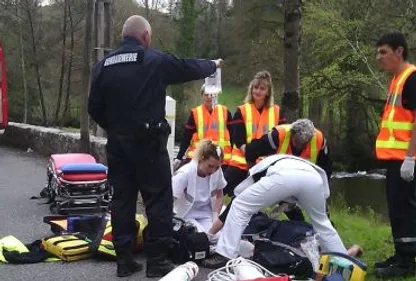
396,145
127,99
206,121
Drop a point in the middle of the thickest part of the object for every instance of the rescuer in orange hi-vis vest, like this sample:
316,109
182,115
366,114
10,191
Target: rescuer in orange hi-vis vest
206,121
396,146
253,119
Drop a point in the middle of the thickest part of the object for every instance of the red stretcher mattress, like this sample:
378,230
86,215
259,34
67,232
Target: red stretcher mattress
65,166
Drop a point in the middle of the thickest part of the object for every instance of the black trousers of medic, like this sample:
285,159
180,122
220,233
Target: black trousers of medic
401,201
139,162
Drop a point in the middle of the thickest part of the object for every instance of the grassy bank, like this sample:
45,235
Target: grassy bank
365,228
232,97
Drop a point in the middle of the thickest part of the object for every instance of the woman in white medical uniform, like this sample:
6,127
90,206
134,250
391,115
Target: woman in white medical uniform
197,187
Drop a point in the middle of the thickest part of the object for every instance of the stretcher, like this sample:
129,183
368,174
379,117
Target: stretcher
77,183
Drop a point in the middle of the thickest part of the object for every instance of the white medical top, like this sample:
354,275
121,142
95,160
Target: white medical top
202,205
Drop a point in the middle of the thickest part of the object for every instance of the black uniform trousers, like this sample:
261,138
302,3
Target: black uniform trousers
233,176
401,201
140,162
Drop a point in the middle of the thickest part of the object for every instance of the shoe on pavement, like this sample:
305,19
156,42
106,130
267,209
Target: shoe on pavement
216,261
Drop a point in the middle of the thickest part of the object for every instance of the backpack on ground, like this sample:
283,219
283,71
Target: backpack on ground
280,258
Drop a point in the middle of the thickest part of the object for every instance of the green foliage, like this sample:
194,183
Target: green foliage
232,97
342,90
363,227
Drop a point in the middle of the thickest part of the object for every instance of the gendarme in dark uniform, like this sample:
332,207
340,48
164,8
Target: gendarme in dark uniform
127,99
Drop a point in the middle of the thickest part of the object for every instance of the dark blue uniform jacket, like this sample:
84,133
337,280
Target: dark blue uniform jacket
129,85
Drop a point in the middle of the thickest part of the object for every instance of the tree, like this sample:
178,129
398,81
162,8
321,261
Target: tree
63,62
31,9
292,38
22,62
86,73
65,114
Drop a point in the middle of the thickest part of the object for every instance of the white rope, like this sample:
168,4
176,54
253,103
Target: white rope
227,273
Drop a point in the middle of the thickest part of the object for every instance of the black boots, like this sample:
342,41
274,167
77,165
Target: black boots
158,261
126,265
158,266
396,266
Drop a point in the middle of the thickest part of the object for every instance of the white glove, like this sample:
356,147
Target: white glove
408,168
176,164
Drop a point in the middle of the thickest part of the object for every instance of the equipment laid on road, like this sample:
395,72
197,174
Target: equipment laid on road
76,182
96,228
103,243
241,269
67,247
185,272
340,267
189,245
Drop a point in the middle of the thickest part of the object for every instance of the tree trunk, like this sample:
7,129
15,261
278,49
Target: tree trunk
63,62
65,114
86,73
292,38
100,35
37,66
22,61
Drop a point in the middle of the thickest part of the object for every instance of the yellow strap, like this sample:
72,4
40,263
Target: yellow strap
227,156
392,144
53,259
200,116
271,118
238,159
285,145
221,125
402,78
249,122
222,143
394,125
314,151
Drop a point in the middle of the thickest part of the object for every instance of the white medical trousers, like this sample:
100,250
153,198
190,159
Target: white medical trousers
298,181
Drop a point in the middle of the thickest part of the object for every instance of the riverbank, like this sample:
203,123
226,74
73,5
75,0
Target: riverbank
366,228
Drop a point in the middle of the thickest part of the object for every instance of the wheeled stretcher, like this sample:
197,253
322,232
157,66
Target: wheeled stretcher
76,182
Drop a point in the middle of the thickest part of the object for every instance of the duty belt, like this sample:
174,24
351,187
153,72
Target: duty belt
159,127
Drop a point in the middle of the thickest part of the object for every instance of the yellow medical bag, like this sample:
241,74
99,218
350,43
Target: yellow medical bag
67,247
333,266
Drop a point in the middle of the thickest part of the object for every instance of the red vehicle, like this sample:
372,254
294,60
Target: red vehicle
3,90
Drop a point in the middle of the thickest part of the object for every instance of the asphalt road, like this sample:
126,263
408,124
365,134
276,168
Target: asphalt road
22,175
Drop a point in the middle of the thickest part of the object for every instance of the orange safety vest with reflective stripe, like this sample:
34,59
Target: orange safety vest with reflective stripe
211,126
309,153
256,126
397,122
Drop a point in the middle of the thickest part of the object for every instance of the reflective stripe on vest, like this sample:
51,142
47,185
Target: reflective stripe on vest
253,130
215,129
311,150
397,122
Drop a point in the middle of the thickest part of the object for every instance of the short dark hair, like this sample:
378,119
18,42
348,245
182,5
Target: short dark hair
394,40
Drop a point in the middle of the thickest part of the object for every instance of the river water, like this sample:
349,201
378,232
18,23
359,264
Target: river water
360,190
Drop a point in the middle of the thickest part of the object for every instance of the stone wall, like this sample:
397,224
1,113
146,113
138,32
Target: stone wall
47,141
